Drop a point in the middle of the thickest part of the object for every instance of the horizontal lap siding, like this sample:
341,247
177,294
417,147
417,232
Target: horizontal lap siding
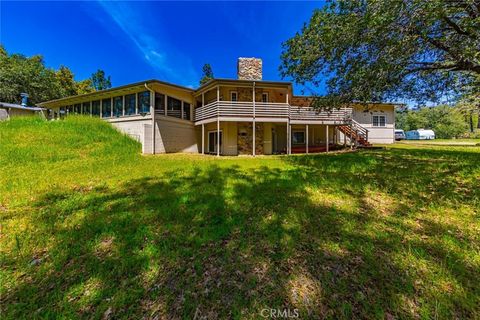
377,134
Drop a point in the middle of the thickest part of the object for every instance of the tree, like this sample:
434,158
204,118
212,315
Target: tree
374,50
19,73
26,74
446,121
100,81
207,74
84,86
65,77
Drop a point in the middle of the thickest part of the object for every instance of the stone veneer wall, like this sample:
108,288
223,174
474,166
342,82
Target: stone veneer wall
249,69
245,138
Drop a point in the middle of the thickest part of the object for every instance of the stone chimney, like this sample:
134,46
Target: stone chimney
249,69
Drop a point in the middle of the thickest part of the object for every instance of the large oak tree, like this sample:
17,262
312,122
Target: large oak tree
373,50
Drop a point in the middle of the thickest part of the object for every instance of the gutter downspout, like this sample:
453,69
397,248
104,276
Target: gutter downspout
152,113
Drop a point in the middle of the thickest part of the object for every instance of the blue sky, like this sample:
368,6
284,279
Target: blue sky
135,41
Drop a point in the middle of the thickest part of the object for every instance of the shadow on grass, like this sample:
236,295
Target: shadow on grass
227,243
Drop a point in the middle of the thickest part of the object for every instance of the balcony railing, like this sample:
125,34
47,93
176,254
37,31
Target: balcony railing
241,109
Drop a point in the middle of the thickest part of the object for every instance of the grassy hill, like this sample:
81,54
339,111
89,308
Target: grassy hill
92,229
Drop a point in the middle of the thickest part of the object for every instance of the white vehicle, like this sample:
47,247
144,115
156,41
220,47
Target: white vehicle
399,134
420,134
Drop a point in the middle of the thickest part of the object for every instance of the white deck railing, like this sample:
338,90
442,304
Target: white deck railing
241,109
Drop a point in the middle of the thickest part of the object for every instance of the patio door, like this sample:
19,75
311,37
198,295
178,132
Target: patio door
212,141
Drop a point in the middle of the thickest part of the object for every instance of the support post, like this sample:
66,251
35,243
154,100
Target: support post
218,122
326,135
289,139
351,137
203,104
152,113
203,138
136,103
218,137
306,129
165,103
253,142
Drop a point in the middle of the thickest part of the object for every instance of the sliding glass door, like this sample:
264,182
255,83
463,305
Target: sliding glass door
212,141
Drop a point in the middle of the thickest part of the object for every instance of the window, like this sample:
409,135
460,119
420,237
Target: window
118,106
265,97
186,111
379,120
106,108
130,104
233,96
212,141
174,107
96,108
298,137
86,108
160,102
77,109
144,102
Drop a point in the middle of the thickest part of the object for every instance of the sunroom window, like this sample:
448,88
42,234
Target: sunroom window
144,102
106,108
174,107
160,102
96,108
186,111
118,106
86,108
129,104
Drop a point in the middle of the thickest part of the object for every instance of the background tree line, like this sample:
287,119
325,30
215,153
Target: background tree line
447,121
19,73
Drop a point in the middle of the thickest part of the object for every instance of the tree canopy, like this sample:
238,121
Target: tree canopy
377,50
19,73
207,73
100,81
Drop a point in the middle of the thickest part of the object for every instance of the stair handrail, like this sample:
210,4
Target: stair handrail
359,127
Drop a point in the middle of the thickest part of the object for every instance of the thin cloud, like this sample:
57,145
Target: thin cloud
158,54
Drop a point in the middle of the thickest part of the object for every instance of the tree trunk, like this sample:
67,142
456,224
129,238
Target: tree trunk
478,118
470,121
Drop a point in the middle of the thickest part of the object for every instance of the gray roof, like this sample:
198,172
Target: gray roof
19,106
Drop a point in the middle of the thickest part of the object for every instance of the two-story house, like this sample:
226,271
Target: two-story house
230,117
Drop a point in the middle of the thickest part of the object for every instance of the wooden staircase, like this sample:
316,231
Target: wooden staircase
357,133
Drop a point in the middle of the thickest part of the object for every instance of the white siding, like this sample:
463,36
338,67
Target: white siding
377,134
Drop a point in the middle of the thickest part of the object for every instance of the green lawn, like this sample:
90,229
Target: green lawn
453,142
92,229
